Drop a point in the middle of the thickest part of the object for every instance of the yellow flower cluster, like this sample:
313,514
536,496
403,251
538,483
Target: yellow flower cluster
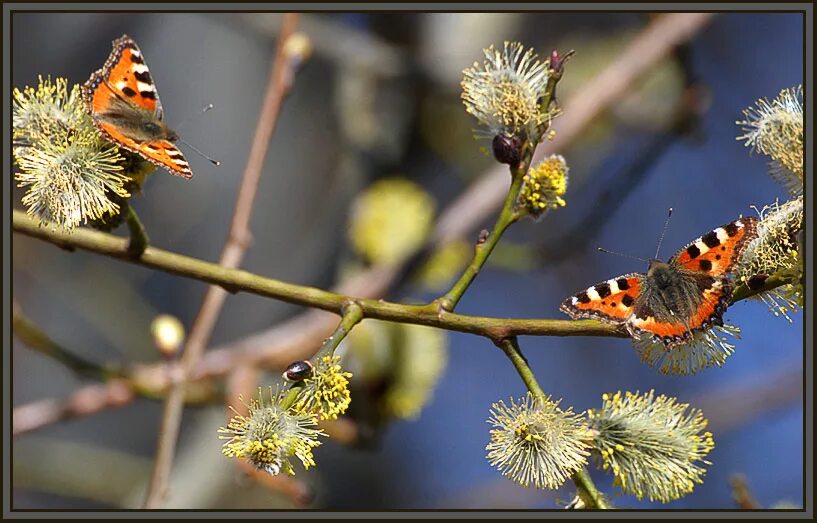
390,220
70,174
534,442
776,251
776,129
544,186
652,444
270,435
504,92
326,393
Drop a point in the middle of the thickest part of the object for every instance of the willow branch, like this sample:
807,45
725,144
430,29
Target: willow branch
351,315
510,346
88,400
35,338
278,87
485,245
236,280
588,492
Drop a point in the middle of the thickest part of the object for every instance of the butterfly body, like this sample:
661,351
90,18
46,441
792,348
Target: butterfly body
672,299
125,107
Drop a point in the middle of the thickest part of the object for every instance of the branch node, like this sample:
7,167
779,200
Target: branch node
243,239
483,236
444,305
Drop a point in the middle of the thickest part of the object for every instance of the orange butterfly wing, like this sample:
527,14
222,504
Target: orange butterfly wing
127,73
717,251
611,301
123,87
162,153
165,154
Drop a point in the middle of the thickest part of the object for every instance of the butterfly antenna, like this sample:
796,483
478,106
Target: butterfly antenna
620,254
661,240
211,160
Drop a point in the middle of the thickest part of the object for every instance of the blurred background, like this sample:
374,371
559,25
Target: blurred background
379,99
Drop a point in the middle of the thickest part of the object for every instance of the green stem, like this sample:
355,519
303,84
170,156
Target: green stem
29,333
554,75
772,282
510,346
351,315
291,395
509,214
485,246
138,236
593,499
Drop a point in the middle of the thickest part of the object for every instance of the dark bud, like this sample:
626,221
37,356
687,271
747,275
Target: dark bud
483,236
757,281
298,371
557,61
507,149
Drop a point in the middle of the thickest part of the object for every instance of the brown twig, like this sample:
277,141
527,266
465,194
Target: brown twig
741,494
278,87
300,336
86,401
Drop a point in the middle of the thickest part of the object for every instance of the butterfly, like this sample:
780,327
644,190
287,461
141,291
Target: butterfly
125,107
673,299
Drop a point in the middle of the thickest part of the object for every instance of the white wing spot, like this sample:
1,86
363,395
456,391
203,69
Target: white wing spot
720,232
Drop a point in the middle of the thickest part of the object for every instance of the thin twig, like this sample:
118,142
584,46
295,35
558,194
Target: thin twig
351,315
510,346
741,494
486,245
138,236
86,401
239,238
